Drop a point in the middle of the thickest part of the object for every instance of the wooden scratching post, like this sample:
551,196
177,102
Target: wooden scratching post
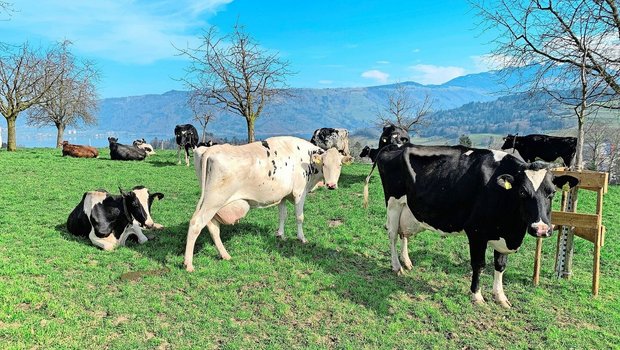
570,223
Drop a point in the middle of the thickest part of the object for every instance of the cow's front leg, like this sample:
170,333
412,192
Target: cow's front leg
498,286
476,253
179,154
404,253
394,210
106,243
282,215
299,216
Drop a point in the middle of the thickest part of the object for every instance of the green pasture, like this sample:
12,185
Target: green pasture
61,292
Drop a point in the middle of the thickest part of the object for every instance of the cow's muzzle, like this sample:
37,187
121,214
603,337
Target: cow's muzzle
331,186
541,230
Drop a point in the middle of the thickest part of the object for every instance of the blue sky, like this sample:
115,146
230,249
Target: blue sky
328,43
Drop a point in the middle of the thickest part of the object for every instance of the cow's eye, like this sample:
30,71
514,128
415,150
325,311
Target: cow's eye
522,193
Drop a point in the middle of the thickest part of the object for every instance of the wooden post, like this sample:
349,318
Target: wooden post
537,257
564,260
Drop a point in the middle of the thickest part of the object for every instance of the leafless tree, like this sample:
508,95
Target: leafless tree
27,76
6,8
236,72
73,99
572,45
596,137
404,111
204,112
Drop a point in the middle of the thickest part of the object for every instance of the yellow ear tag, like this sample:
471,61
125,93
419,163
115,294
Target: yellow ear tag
316,159
507,185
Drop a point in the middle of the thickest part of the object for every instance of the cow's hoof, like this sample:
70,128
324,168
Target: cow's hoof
157,226
477,299
408,265
280,237
399,272
303,240
503,303
225,257
189,268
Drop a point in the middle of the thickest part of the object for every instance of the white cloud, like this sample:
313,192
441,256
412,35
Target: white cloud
415,50
126,31
431,74
377,75
383,62
488,62
326,82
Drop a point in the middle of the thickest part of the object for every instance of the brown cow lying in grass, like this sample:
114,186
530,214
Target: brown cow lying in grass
79,151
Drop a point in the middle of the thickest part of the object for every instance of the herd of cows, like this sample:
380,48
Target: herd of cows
494,197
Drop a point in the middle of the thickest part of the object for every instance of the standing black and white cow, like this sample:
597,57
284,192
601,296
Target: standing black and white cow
327,138
234,179
119,151
141,143
186,137
391,135
545,147
107,220
491,195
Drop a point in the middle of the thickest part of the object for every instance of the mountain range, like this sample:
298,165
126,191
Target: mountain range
458,105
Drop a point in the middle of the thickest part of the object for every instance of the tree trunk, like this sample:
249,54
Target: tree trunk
204,134
59,135
580,138
11,142
250,122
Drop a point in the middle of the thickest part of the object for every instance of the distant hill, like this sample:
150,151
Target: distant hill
460,105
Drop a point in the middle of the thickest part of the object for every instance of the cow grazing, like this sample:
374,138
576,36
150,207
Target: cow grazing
141,143
548,148
391,135
327,138
109,219
79,151
492,196
186,137
119,151
234,179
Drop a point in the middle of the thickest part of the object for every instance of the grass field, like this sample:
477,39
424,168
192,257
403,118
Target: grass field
337,291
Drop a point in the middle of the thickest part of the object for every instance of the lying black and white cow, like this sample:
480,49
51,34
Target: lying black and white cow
109,219
234,179
141,143
186,136
327,138
545,147
491,195
119,151
391,135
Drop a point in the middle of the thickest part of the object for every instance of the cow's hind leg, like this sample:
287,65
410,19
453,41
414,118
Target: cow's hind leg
196,224
498,286
404,252
179,154
476,252
214,230
282,216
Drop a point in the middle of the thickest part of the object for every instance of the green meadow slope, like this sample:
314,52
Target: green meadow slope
337,291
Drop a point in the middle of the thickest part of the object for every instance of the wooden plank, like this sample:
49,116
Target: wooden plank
588,180
537,256
561,218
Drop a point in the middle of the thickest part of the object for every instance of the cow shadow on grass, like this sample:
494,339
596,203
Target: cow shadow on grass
347,180
367,281
163,163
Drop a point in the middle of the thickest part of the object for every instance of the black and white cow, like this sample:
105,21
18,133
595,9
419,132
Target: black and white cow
545,147
107,220
186,137
494,197
391,135
119,151
142,144
327,138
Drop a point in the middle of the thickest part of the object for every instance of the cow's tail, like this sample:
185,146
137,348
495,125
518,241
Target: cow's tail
204,164
366,185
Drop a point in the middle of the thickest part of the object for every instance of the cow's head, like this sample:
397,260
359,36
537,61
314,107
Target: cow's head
112,140
65,143
330,162
393,135
533,187
365,152
138,203
509,141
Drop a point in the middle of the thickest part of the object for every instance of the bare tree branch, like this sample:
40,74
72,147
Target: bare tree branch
403,111
236,73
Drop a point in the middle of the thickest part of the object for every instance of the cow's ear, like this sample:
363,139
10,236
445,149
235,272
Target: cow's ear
157,195
317,159
346,160
565,182
505,181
